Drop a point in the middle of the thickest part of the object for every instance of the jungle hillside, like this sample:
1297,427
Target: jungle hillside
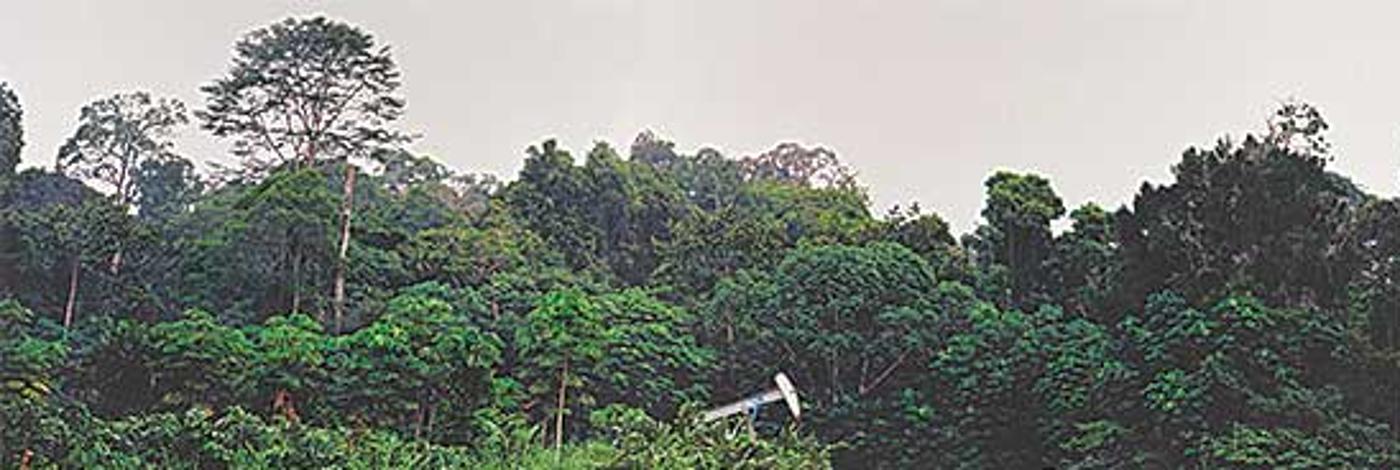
336,300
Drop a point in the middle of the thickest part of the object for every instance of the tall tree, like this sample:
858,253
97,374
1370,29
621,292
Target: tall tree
1017,237
634,206
1258,216
62,240
289,219
710,180
116,137
11,130
609,214
59,227
11,142
565,336
547,197
1085,264
305,89
794,164
653,151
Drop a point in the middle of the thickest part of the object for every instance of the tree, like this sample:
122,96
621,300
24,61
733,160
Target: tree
1259,216
303,89
110,371
60,242
1216,385
1017,236
11,131
199,361
117,136
11,143
651,150
461,256
977,404
709,246
252,251
791,163
547,198
1085,265
422,361
634,206
1243,315
851,325
925,234
710,180
609,215
564,336
288,218
166,188
1369,252
469,194
1084,388
836,215
290,356
21,197
30,369
754,229
653,360
1371,247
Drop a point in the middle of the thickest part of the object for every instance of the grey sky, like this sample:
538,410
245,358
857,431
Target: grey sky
922,98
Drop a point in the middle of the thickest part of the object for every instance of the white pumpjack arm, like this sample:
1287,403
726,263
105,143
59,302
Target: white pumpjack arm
784,392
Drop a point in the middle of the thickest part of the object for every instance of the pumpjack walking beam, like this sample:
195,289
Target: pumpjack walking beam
784,391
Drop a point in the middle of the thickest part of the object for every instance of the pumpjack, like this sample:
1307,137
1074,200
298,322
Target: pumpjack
782,391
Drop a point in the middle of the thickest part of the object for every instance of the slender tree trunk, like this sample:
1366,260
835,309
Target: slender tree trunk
115,264
418,422
123,200
559,412
347,208
72,292
427,417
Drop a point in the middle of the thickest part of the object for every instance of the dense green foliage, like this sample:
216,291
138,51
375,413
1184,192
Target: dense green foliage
1246,314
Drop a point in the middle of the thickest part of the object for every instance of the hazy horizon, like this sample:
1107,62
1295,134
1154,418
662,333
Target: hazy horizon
922,99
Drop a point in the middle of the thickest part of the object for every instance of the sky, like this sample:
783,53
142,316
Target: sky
924,99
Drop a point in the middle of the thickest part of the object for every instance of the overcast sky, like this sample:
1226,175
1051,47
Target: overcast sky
923,98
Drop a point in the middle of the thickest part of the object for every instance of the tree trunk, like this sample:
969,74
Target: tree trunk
124,201
418,421
428,418
115,264
347,208
559,412
72,292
